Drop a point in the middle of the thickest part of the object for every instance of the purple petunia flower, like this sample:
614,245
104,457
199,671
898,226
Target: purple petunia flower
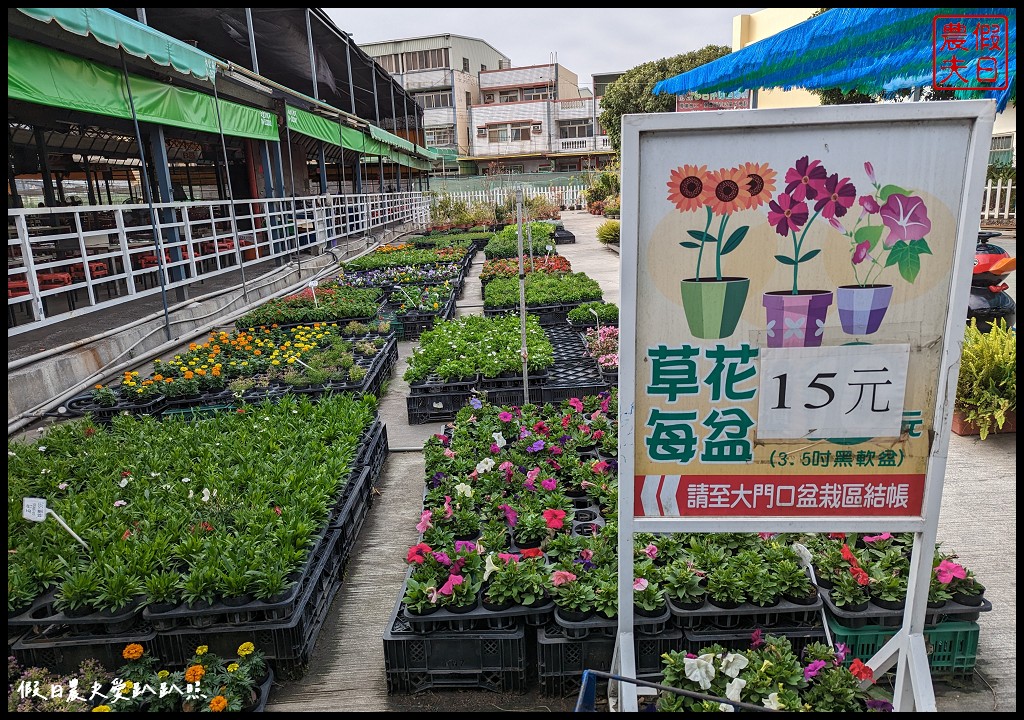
475,402
536,447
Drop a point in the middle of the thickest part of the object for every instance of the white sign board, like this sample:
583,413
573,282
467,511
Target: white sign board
794,294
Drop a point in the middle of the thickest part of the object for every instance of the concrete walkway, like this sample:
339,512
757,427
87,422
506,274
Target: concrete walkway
347,671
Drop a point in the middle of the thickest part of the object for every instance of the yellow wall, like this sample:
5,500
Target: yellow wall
748,29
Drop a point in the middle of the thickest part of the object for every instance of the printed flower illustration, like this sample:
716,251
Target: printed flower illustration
891,230
808,184
722,193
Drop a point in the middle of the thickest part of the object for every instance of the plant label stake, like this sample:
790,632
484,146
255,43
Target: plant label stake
312,288
522,297
529,235
35,510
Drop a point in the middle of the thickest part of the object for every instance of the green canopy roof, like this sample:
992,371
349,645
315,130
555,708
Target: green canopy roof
118,31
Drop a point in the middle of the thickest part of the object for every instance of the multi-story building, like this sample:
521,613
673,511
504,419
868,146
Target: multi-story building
483,116
442,73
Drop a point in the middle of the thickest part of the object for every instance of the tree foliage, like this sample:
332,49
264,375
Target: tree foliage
632,93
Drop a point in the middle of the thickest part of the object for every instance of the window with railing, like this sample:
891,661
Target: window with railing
578,128
389,63
508,96
431,100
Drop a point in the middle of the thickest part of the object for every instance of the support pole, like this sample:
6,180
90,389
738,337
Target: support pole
522,299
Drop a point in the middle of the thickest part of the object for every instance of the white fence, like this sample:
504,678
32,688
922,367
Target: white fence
564,196
1000,201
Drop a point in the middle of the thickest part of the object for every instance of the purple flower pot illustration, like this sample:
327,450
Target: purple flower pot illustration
796,320
861,308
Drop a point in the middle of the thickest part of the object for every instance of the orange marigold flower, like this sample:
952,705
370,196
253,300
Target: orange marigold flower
132,651
194,674
218,704
189,375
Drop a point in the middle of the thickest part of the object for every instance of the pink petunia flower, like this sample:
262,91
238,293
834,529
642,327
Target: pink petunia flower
448,512
449,453
549,483
508,557
561,577
640,584
651,551
424,522
505,416
813,669
120,503
877,538
449,587
600,466
947,570
756,638
576,404
511,516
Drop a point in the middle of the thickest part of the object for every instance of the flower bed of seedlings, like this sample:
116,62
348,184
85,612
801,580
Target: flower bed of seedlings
509,267
225,529
550,296
505,242
326,303
250,365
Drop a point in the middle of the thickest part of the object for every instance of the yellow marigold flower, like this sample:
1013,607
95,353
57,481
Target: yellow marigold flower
132,651
218,704
163,674
245,649
202,650
232,667
194,674
101,708
128,685
275,362
291,360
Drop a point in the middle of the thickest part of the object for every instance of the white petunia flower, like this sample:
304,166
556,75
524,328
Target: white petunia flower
207,494
772,702
700,669
726,707
42,448
123,483
485,465
464,489
499,439
186,480
489,567
803,553
733,664
734,689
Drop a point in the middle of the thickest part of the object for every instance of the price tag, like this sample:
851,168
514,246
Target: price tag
33,509
313,283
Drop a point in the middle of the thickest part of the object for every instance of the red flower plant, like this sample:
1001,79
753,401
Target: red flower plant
861,671
417,553
554,518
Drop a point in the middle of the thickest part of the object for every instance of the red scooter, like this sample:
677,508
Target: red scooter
989,301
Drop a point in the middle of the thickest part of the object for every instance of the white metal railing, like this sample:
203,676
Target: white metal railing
97,256
560,195
1000,200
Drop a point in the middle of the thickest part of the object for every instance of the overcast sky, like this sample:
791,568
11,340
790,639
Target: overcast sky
585,41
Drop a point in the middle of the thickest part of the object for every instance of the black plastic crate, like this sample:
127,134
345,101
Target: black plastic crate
569,380
434,385
513,381
515,396
436,407
749,616
287,645
562,660
63,654
494,660
799,637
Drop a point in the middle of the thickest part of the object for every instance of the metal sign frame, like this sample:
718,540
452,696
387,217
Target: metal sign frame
819,126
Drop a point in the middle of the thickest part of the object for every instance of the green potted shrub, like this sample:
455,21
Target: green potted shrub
513,582
986,389
608,232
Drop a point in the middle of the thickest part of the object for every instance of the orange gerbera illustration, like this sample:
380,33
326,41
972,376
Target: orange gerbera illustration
688,187
728,191
759,185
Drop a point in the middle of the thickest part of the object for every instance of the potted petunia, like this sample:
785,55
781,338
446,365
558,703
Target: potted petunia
890,232
574,597
713,305
510,579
